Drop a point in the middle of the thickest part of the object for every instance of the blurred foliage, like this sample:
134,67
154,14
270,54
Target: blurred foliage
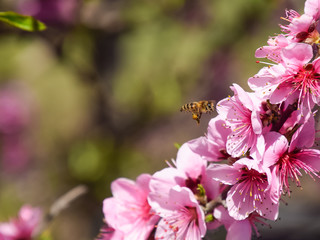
45,236
105,88
166,50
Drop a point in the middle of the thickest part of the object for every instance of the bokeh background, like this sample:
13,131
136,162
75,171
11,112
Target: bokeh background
97,96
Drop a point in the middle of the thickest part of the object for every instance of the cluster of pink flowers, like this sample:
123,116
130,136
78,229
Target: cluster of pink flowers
236,174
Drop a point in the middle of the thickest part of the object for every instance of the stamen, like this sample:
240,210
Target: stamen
266,63
285,19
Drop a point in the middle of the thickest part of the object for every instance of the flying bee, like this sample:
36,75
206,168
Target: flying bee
197,108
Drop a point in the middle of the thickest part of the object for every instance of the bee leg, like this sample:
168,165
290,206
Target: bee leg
199,116
196,116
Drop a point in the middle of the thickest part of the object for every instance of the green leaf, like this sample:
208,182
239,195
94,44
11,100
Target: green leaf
26,23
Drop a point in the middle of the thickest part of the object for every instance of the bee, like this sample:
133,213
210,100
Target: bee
197,108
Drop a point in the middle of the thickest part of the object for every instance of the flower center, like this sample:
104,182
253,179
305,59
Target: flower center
310,36
289,166
180,221
192,184
306,82
252,180
305,77
193,214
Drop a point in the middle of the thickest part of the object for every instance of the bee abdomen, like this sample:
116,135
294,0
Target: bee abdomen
188,107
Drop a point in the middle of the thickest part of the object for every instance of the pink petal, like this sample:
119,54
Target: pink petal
223,173
217,131
189,162
311,157
316,65
213,146
242,95
276,145
311,8
142,182
301,24
223,216
239,206
200,146
110,212
239,230
275,189
258,149
297,54
163,180
123,188
256,122
305,135
280,94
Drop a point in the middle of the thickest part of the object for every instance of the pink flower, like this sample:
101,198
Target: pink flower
300,129
241,113
23,227
128,210
182,217
275,45
304,28
250,191
190,171
212,147
295,78
286,162
301,28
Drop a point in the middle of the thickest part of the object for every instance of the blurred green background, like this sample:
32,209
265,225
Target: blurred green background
97,95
